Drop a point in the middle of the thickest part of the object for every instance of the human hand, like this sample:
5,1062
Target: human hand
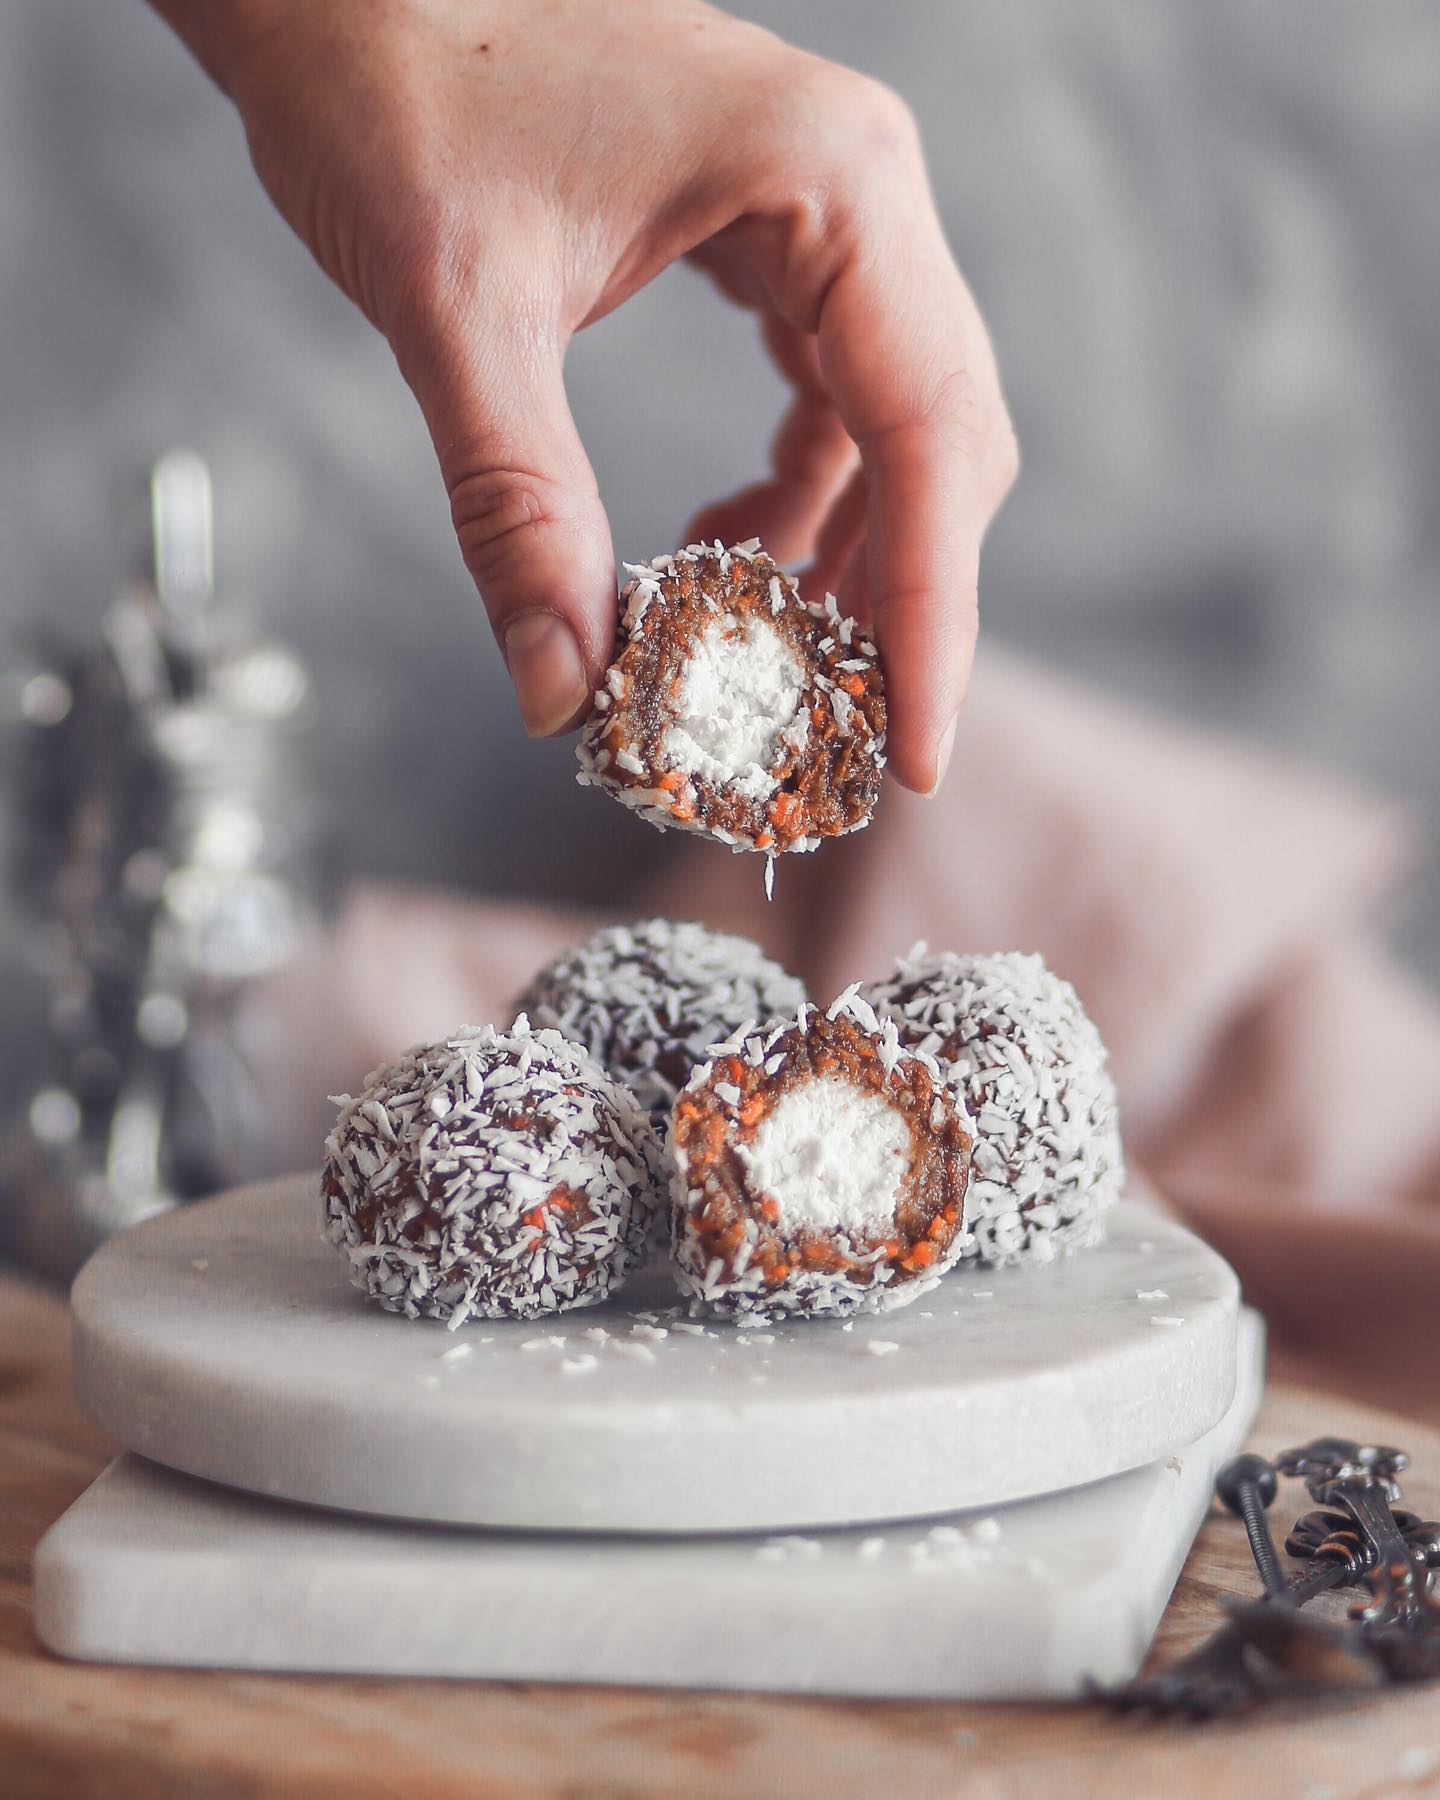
486,177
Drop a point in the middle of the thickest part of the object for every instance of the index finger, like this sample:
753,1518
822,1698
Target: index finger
910,367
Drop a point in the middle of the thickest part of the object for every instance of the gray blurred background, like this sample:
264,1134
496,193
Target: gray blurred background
1206,236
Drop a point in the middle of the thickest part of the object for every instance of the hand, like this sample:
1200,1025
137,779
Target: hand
486,177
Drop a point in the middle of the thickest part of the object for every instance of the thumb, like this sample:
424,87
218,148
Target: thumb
527,514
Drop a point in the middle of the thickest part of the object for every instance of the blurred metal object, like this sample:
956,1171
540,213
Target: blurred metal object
163,853
182,524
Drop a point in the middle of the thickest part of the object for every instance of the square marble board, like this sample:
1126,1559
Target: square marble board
1028,1601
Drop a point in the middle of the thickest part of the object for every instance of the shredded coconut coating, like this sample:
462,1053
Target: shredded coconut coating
735,1253
1048,1162
734,708
494,1175
647,1000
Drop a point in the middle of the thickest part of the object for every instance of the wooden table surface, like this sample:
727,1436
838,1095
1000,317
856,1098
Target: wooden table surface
74,1729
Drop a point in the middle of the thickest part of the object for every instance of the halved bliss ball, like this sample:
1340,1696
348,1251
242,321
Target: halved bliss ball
1020,1047
498,1174
734,708
648,999
819,1169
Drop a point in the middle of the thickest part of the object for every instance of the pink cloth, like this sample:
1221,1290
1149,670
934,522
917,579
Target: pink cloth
1279,1078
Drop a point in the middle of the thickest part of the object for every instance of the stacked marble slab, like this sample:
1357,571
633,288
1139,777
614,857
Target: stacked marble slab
987,1494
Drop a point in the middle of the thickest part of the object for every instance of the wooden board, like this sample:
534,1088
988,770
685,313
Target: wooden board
68,1729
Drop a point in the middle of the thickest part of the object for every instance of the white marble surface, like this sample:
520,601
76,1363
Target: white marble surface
152,1567
225,1340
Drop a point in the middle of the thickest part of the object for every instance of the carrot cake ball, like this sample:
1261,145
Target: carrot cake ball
819,1169
647,1000
736,709
496,1174
1023,1051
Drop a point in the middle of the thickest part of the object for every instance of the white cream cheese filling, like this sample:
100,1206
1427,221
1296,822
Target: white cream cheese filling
832,1157
741,699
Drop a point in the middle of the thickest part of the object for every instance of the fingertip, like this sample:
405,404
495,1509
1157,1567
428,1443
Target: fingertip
547,667
547,581
928,655
942,757
916,773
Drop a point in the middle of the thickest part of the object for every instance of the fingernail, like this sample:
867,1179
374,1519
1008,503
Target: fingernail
544,663
942,755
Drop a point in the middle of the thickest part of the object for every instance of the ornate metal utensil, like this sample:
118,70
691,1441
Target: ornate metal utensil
1393,1551
1355,1537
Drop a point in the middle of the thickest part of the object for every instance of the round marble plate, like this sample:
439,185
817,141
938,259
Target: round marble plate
226,1340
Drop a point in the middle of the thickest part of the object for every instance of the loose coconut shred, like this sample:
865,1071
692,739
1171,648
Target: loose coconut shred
647,1000
496,1174
820,1168
1020,1047
736,709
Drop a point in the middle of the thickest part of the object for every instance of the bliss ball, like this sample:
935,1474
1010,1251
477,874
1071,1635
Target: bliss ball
736,709
492,1175
646,1000
1023,1051
819,1170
